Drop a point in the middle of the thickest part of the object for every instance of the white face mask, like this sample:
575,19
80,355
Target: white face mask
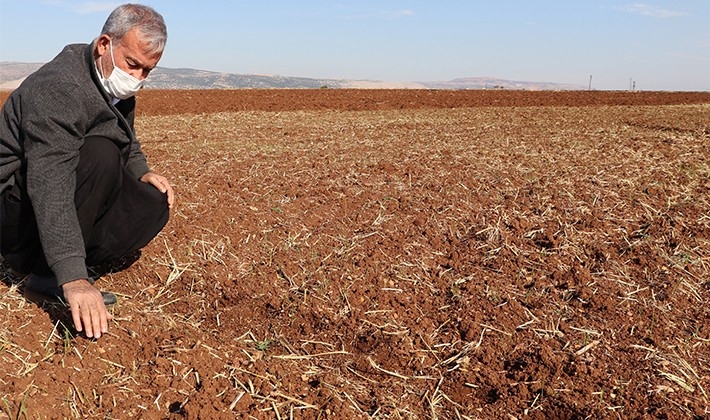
119,84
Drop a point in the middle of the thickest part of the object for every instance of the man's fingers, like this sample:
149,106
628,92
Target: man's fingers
89,326
171,197
87,308
92,319
76,317
162,184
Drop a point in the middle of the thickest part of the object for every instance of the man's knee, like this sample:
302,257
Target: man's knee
145,206
157,207
139,214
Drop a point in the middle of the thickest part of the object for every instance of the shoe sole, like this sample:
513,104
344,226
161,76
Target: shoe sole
109,298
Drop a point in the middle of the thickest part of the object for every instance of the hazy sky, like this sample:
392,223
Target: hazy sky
659,44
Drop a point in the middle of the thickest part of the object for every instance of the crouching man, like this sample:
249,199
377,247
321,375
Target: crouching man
75,187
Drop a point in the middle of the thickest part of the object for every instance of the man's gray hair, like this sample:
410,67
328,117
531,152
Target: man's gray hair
150,25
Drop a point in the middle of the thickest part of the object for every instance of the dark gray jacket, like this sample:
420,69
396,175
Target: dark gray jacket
43,126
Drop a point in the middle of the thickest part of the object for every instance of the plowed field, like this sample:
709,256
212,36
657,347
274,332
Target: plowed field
375,254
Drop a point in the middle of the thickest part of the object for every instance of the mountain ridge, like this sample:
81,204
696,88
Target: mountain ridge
13,73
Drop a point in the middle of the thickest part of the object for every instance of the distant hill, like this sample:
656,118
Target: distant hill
166,78
492,83
13,73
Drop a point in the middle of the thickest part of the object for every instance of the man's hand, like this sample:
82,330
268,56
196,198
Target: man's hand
87,307
162,184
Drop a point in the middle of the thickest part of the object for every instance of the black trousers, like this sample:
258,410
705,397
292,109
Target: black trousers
118,214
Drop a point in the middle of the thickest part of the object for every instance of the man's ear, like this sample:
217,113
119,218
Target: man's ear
102,44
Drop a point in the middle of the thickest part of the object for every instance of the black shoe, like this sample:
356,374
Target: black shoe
46,286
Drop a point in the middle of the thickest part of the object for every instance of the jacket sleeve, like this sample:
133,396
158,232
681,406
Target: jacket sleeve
136,164
53,127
